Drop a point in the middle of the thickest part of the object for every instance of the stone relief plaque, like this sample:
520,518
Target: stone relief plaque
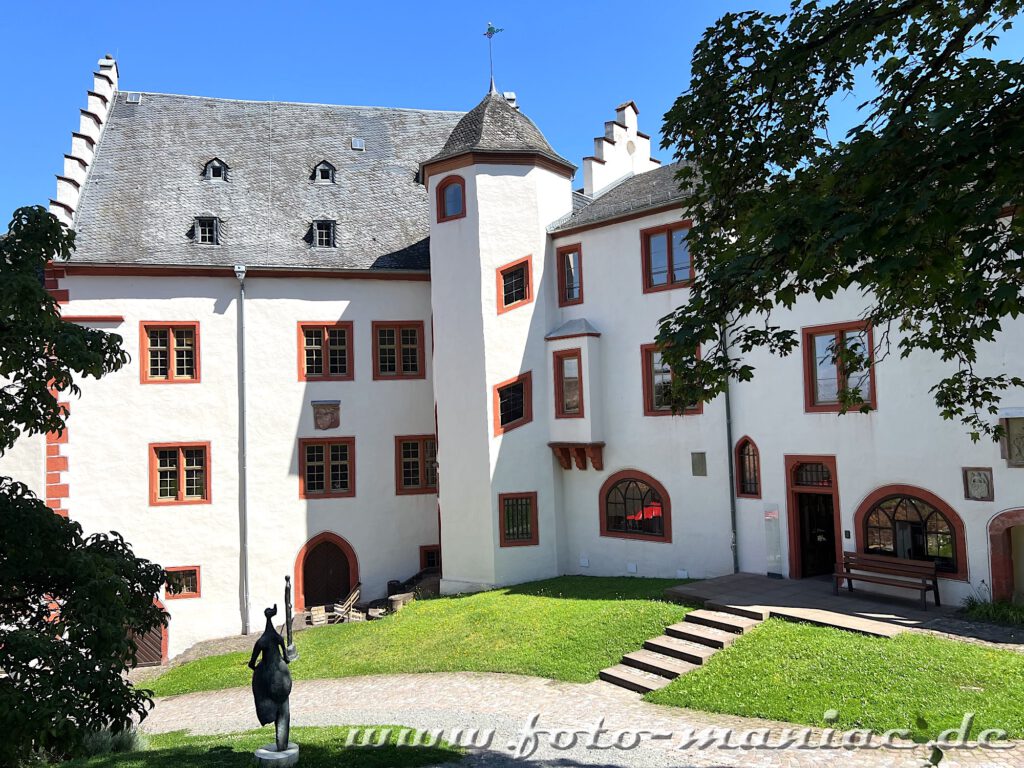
326,414
978,484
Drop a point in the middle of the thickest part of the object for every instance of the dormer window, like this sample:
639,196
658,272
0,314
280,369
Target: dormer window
216,170
451,199
323,173
207,230
323,233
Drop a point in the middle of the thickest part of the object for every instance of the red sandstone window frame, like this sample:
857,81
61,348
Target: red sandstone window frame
154,474
647,352
527,381
499,280
168,595
560,253
324,327
645,254
348,493
740,494
446,182
425,550
808,334
398,326
534,539
170,326
401,489
666,507
559,357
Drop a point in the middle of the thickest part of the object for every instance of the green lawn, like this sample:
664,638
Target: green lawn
567,628
796,672
318,748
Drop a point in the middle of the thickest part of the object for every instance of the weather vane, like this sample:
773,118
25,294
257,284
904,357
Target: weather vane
489,34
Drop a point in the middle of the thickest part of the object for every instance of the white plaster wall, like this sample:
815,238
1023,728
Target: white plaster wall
658,446
26,462
118,417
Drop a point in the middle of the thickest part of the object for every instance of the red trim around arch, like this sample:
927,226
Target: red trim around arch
344,546
666,507
1000,550
441,187
738,464
959,538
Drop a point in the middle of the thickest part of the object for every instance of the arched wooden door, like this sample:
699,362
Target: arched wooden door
325,571
151,648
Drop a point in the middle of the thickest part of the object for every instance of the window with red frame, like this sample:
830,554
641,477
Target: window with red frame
398,350
518,523
824,373
570,275
635,506
327,468
748,469
179,474
515,285
170,352
451,199
568,384
513,403
182,582
416,464
657,383
325,352
666,257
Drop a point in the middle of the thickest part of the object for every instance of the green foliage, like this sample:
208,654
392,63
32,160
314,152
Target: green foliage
912,206
567,629
39,352
107,742
319,748
797,672
980,609
68,602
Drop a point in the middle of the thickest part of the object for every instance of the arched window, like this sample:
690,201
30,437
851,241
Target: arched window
635,506
451,199
323,173
913,524
215,170
748,469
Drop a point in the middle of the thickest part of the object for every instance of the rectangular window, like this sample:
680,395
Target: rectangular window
666,257
207,230
513,403
657,382
398,350
327,468
179,474
515,284
570,275
824,374
323,234
182,582
430,557
325,352
169,353
568,384
518,519
415,464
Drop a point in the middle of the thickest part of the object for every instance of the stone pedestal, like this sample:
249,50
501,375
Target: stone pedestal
268,755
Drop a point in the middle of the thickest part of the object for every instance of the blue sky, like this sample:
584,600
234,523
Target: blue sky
570,63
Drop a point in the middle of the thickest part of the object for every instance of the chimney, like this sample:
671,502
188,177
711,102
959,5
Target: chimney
510,97
622,152
91,121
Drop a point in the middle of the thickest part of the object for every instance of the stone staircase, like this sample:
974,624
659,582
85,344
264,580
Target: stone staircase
685,646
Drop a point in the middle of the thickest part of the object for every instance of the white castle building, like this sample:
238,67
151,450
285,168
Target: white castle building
366,341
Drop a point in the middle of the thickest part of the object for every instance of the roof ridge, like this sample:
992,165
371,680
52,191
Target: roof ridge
293,103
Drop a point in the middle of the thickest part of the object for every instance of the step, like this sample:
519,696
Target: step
633,679
727,622
680,649
658,663
701,634
757,612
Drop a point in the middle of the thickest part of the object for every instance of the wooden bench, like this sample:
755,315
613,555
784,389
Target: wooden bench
919,575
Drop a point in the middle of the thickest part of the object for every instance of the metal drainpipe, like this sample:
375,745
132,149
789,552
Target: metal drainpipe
243,487
732,459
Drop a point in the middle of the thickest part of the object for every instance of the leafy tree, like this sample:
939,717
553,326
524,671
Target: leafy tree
69,604
914,206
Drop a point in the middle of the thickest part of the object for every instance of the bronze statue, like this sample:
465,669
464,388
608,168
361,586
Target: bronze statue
271,681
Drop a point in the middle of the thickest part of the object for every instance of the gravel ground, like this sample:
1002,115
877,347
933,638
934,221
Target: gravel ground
506,704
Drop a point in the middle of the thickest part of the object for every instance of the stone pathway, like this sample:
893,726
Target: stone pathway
505,704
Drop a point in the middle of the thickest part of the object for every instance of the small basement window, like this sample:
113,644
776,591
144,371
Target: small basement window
216,170
324,173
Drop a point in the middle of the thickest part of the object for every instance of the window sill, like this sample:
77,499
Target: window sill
415,491
667,286
304,496
501,429
176,503
636,537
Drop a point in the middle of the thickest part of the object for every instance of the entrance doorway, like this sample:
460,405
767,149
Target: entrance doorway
151,648
326,570
1006,555
815,543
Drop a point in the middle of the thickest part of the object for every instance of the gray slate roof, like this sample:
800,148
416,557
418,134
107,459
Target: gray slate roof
145,186
494,125
645,190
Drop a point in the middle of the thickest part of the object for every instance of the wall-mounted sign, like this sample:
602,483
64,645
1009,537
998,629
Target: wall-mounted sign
978,484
